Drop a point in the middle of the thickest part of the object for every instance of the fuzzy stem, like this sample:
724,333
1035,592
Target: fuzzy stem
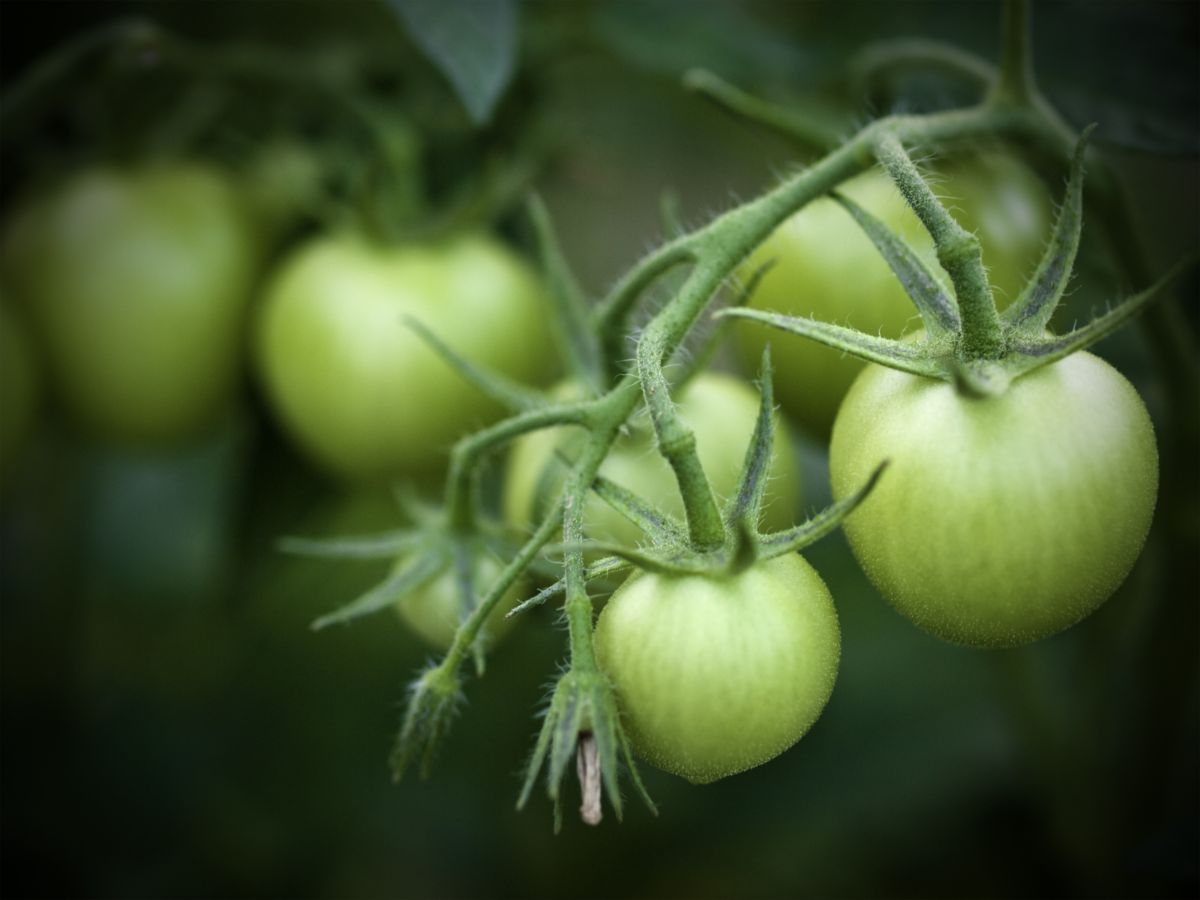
957,250
677,444
468,451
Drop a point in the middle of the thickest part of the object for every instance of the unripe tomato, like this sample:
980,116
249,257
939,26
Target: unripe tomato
717,675
720,409
357,388
138,280
19,387
435,609
1005,519
827,268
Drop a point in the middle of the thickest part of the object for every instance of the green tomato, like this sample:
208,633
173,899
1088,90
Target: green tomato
138,281
357,388
717,675
826,267
1000,520
433,610
720,409
19,387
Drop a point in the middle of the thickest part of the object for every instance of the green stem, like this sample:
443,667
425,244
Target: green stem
958,251
470,449
677,444
1016,83
464,639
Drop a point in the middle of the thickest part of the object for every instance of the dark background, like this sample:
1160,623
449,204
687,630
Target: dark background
172,727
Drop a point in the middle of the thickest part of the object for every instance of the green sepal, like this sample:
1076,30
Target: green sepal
385,545
581,704
434,699
681,563
420,569
743,507
1029,355
906,356
661,528
938,310
1033,309
572,317
510,394
602,568
821,524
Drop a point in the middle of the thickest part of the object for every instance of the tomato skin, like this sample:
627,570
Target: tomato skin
721,410
433,610
356,387
718,675
20,387
137,281
826,267
1000,520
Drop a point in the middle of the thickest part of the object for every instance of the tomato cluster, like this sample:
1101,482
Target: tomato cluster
1004,516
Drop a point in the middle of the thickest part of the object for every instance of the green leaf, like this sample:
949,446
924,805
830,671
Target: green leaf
472,42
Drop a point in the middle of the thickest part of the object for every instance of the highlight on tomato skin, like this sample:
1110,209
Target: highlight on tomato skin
359,390
717,675
1002,520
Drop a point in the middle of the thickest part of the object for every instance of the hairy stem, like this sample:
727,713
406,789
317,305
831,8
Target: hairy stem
958,251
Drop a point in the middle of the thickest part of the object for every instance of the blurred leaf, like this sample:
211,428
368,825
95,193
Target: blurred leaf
724,37
473,43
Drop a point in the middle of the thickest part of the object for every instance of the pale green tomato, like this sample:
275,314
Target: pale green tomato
433,611
137,281
720,409
1000,520
19,387
826,267
356,387
714,676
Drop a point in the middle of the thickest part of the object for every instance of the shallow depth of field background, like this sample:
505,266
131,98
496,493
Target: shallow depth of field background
172,727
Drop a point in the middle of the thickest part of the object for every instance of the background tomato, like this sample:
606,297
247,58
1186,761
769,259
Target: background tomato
718,675
137,280
1000,520
355,385
720,409
434,610
826,267
19,387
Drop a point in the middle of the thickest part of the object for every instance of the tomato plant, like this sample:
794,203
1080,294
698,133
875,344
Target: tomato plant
716,675
348,377
137,280
719,408
1003,519
825,266
19,386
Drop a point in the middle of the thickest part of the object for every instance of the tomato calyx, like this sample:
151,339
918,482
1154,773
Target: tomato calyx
582,722
669,550
423,553
966,341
